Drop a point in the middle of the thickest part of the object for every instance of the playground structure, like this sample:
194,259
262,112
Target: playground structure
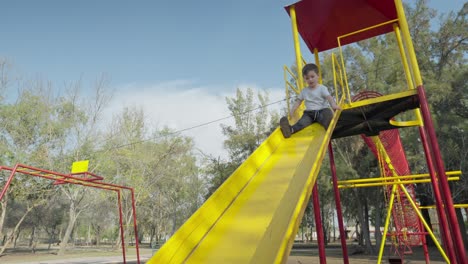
254,216
79,176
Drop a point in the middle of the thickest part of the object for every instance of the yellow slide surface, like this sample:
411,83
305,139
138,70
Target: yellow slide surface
254,215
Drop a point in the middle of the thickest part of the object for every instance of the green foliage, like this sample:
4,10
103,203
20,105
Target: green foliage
253,123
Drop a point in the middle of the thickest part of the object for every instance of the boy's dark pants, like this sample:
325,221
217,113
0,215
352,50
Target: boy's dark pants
322,116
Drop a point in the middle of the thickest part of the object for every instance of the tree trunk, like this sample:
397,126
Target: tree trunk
461,223
97,233
378,224
3,207
16,237
365,229
32,236
88,240
51,237
71,223
324,227
8,241
361,223
334,226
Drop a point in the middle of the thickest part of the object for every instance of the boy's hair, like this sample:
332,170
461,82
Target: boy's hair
309,67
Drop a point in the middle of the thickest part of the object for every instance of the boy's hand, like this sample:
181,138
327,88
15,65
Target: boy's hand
336,107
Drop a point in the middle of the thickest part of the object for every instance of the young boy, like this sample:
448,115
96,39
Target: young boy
315,96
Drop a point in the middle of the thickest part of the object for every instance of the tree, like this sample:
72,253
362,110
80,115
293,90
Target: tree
253,123
161,167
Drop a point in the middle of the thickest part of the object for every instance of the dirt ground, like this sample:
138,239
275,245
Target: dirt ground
309,255
301,254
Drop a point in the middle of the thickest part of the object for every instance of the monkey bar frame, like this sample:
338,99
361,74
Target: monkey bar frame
84,179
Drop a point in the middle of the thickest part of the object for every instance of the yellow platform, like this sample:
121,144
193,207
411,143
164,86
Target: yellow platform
254,216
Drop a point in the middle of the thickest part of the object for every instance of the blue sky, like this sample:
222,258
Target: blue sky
210,42
157,51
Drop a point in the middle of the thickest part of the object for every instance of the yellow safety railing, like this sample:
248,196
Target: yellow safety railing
341,52
337,70
433,206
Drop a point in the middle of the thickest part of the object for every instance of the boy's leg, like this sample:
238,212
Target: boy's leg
305,120
324,117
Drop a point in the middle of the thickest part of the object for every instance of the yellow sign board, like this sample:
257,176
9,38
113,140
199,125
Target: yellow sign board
80,166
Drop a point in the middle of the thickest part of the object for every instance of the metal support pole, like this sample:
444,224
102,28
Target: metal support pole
428,228
424,242
135,226
387,223
317,62
338,204
318,225
446,193
7,184
444,229
119,200
297,47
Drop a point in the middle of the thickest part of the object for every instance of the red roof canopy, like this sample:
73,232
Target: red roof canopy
321,22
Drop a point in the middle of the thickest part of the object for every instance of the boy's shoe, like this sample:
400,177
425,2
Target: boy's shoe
285,127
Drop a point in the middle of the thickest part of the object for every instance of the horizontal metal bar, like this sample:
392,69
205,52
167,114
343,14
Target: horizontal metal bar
379,179
375,184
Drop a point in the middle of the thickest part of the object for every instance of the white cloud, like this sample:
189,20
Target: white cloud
182,104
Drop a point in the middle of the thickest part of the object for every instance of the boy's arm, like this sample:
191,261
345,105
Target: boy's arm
297,103
333,103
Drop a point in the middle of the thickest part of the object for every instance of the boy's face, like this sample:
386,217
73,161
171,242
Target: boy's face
311,79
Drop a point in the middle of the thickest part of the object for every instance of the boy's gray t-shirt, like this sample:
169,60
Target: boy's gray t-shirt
315,98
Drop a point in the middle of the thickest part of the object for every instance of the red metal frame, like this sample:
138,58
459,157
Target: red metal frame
318,225
445,234
425,249
446,193
339,213
88,179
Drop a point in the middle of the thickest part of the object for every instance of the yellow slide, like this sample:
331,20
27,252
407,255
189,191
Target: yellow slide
254,216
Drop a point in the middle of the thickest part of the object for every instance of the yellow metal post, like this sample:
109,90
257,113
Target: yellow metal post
387,222
297,47
415,207
409,43
317,62
344,72
404,59
334,77
287,90
387,159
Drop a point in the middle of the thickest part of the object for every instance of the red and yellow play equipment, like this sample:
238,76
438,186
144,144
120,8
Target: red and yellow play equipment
254,216
80,176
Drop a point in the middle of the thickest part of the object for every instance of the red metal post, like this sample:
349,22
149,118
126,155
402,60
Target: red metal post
135,225
446,193
338,204
444,229
424,242
7,185
318,225
121,226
